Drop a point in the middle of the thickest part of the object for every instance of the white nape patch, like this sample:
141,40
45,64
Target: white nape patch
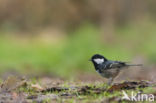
99,61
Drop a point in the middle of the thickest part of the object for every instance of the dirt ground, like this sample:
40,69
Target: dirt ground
51,90
87,88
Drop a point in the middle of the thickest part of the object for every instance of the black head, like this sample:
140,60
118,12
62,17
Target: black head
98,59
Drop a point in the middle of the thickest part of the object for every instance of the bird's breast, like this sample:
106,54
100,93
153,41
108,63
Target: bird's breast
108,73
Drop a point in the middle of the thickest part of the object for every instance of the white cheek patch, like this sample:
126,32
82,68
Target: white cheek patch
99,61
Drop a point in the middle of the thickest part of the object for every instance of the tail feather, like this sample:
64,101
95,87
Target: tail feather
134,65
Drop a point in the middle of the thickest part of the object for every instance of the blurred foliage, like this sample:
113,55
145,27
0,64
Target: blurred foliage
57,37
33,15
71,53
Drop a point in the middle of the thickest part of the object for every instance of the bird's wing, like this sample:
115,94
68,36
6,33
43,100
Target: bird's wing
116,64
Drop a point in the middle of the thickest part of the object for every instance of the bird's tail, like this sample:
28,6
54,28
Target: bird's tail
134,64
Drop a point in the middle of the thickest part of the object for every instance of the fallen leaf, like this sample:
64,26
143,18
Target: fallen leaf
14,95
12,83
37,87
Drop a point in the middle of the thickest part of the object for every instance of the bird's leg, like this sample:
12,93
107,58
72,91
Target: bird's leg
110,80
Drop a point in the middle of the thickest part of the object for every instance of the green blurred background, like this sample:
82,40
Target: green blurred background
57,37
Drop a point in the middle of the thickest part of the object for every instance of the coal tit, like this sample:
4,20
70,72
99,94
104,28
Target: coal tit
107,68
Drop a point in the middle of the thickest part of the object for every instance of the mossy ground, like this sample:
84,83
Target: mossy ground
70,92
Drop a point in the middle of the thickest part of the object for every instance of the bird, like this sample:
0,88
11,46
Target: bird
109,69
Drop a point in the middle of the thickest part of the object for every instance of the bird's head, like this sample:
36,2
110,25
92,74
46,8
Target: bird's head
98,59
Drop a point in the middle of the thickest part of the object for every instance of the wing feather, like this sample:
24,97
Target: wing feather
116,64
